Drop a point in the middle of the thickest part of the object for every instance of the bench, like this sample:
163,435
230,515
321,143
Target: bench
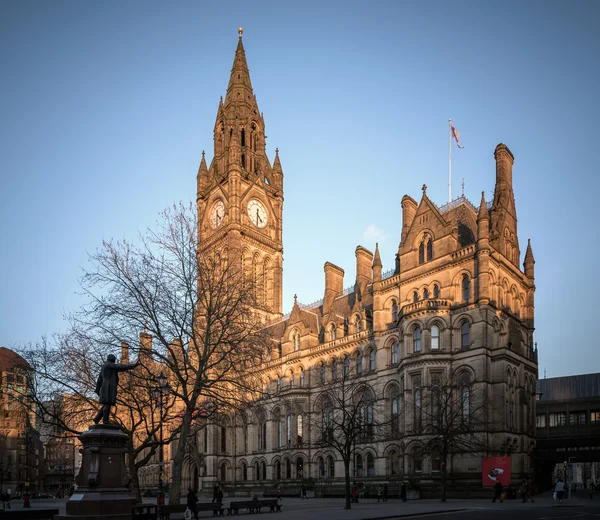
253,506
26,514
170,509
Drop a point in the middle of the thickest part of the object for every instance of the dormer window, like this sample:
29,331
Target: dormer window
426,249
332,332
296,340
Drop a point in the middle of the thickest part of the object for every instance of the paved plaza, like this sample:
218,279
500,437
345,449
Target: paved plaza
333,509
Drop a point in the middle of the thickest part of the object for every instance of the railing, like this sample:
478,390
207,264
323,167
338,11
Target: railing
424,304
453,203
388,274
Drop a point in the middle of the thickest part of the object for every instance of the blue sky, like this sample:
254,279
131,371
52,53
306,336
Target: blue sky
107,106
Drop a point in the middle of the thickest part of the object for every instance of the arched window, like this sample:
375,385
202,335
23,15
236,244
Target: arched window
244,472
345,326
418,460
223,439
256,471
466,402
421,253
263,471
395,353
292,381
301,378
223,473
417,339
465,288
394,311
415,297
436,291
321,465
296,340
278,470
359,466
426,294
418,407
323,375
346,365
436,461
372,360
357,323
394,463
435,337
359,364
299,467
395,412
288,429
332,332
334,369
464,335
278,432
370,465
299,429
288,469
243,139
278,383
330,467
429,250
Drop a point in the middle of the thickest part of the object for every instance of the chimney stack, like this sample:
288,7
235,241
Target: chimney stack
334,285
124,352
409,210
364,271
504,163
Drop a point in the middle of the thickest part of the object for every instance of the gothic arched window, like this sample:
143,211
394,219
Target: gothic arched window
435,337
417,339
429,250
323,375
436,291
465,288
426,294
464,334
394,311
395,353
372,360
346,365
415,297
421,253
359,360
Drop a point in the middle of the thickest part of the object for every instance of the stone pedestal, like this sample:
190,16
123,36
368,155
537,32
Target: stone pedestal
103,481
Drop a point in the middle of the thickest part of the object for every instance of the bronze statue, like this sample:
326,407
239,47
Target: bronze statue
107,384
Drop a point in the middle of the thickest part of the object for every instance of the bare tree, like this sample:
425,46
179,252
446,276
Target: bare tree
345,415
452,418
197,307
63,395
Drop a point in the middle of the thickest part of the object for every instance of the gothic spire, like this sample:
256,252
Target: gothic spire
239,89
483,211
529,261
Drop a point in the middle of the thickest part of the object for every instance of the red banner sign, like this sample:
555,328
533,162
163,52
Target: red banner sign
494,469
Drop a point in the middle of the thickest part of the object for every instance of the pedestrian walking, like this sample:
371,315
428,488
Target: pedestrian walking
5,501
559,489
385,492
215,492
379,493
304,495
498,492
591,490
191,502
403,492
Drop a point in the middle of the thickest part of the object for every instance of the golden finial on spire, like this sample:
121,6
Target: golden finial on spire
240,31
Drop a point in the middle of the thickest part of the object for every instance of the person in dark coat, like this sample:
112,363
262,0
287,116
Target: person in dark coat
191,502
498,490
385,492
403,492
215,492
107,384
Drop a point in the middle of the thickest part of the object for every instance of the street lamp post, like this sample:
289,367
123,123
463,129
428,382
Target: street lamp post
163,386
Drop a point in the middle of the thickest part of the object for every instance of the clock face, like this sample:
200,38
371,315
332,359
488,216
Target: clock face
216,215
257,213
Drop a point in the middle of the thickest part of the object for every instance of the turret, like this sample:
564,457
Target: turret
529,261
334,285
202,177
277,171
377,265
483,253
409,210
364,262
124,352
504,163
483,220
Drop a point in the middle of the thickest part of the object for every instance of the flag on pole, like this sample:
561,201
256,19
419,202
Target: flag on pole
456,135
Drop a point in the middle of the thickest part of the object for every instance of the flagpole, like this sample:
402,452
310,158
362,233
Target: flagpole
449,160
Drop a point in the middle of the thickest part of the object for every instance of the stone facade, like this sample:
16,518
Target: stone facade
455,300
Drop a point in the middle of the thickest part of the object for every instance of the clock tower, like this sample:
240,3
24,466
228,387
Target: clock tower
240,195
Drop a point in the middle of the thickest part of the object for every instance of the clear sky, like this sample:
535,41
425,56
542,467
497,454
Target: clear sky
105,109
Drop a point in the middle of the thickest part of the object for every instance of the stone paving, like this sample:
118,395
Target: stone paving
370,509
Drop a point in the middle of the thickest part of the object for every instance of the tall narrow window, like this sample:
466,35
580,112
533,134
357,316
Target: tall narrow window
359,466
421,253
359,364
415,297
345,326
436,291
330,467
243,137
417,339
299,429
466,402
278,470
321,464
370,465
346,365
292,381
418,409
278,432
334,369
301,378
323,375
426,294
395,412
332,332
464,335
418,460
395,353
435,337
288,430
223,439
244,472
278,383
465,288
296,340
288,469
372,360
243,160
429,250
436,461
394,311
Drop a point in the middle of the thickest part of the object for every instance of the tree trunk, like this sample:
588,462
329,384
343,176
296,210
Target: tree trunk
177,466
133,472
347,478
